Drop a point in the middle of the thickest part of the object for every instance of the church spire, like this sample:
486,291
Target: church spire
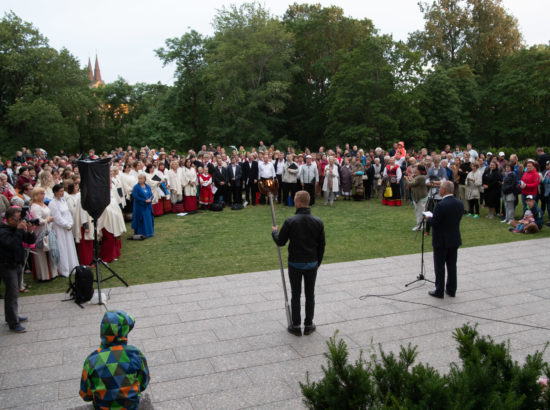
90,72
97,73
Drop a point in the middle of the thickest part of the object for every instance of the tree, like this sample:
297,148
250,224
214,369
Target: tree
44,94
366,106
474,32
445,32
248,75
448,100
493,35
187,52
519,99
323,36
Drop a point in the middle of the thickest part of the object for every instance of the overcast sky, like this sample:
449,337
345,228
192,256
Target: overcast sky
125,33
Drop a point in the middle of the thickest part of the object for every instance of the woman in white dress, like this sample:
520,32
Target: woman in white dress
175,182
111,226
43,266
330,185
62,226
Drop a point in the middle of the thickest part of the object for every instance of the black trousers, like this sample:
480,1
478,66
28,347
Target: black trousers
445,257
289,189
236,194
474,206
295,277
10,276
310,188
280,190
367,186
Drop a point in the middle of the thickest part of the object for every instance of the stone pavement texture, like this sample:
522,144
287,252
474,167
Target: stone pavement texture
221,342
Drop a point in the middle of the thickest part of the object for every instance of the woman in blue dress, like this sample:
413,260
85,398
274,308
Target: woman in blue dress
142,220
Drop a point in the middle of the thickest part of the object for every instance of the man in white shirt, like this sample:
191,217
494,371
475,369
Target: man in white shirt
266,170
309,177
278,164
473,152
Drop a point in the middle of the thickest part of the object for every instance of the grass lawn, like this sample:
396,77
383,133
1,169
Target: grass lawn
220,243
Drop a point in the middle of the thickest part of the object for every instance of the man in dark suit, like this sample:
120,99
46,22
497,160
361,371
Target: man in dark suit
446,239
234,182
219,177
251,180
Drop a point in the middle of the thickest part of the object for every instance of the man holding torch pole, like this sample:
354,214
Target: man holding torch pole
305,254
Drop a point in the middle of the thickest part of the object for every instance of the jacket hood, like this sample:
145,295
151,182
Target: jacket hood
115,327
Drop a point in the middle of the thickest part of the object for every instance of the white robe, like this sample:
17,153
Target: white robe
128,181
189,180
62,226
112,219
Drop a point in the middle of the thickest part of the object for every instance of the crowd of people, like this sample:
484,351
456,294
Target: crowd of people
147,182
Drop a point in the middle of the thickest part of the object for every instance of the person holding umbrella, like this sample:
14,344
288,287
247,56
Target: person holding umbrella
305,254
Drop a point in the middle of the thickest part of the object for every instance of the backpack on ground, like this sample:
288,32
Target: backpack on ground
216,207
81,289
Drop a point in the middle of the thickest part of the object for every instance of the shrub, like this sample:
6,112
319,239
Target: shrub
487,377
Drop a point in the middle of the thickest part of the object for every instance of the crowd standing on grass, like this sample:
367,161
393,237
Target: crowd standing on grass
149,182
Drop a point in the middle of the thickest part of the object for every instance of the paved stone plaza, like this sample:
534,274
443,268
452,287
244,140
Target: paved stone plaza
221,343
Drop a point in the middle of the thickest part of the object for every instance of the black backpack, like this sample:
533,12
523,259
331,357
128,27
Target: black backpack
82,288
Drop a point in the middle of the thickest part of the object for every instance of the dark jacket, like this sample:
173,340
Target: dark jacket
11,244
446,223
238,175
217,176
307,237
509,184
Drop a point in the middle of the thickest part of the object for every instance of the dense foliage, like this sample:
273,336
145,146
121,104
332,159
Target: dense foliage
311,77
486,378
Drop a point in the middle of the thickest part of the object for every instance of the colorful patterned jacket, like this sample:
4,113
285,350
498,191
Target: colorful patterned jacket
114,376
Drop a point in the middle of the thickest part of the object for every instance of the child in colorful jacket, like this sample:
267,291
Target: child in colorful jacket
114,376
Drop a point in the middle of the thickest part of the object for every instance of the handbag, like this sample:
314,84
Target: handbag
388,193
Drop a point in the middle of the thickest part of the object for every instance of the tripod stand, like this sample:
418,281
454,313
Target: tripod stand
96,261
421,276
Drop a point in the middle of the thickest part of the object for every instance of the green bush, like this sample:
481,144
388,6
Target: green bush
487,378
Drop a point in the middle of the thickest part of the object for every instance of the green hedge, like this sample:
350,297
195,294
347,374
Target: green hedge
486,378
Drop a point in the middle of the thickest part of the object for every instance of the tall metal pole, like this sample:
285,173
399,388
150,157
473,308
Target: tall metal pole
287,305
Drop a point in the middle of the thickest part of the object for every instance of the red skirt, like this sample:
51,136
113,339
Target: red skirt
167,205
190,203
110,247
206,196
158,209
85,249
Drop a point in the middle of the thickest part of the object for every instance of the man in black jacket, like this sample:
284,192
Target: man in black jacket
12,256
446,239
305,254
234,177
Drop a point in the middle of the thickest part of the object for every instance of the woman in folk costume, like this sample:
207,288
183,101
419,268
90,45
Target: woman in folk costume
43,265
63,228
346,179
189,181
111,225
142,217
153,180
164,192
72,195
330,186
116,185
358,171
205,181
128,180
392,175
83,232
175,182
